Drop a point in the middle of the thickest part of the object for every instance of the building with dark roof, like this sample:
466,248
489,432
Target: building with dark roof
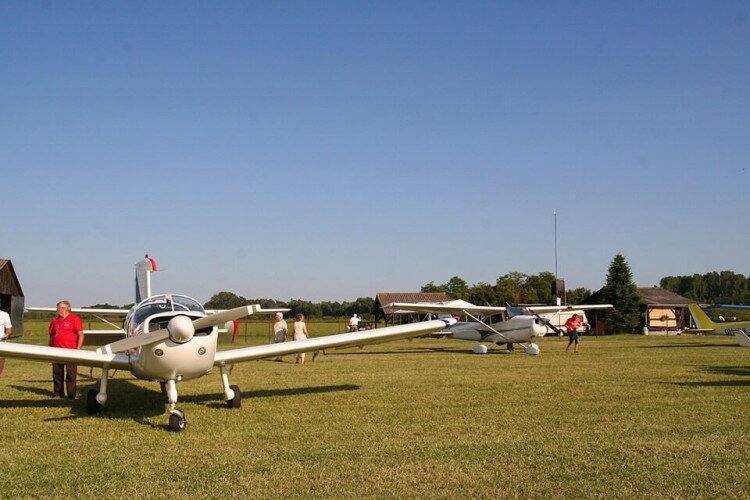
388,314
11,296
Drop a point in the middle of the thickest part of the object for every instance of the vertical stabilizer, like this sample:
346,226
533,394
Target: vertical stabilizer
143,270
702,321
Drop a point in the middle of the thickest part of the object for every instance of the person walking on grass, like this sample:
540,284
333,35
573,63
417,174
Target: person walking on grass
279,331
300,333
572,327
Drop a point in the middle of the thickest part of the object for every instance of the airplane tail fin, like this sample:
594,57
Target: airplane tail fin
143,270
702,321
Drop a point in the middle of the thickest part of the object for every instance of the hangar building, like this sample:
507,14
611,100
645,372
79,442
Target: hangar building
389,314
11,296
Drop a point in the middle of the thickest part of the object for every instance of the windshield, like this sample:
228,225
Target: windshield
165,303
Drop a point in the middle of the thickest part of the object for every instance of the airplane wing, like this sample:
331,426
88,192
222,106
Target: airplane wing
455,307
331,341
569,307
59,355
83,310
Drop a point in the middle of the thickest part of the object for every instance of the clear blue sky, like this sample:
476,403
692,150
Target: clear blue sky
330,150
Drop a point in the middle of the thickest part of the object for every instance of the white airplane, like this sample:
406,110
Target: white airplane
522,325
170,338
740,329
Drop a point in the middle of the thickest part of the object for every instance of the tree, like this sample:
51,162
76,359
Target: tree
225,300
621,292
510,287
431,287
578,295
457,288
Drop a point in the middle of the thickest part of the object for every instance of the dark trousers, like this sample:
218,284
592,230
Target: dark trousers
71,372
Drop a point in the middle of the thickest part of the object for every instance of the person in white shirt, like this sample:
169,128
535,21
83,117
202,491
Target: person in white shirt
300,333
279,331
6,330
353,323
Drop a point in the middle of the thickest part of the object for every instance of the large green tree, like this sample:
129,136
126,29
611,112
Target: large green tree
621,292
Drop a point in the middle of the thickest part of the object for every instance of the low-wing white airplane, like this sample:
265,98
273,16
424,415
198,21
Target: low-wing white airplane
740,329
523,325
170,338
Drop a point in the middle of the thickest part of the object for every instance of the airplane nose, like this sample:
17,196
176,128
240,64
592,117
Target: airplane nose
180,329
538,328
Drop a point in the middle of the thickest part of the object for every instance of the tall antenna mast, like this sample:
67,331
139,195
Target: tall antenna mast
554,212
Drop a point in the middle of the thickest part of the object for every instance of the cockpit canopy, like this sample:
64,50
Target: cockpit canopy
164,304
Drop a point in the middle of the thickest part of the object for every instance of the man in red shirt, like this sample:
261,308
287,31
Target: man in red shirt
66,332
572,326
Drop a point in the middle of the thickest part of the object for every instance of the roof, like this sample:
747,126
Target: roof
9,284
662,297
388,297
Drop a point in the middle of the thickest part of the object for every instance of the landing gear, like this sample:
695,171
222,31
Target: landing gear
96,399
532,349
232,395
177,421
236,401
92,405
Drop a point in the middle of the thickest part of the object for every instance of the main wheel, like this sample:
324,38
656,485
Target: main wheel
92,405
176,422
236,401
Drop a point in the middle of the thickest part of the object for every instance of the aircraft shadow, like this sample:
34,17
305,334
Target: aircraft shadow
681,346
417,350
735,371
126,401
216,401
716,383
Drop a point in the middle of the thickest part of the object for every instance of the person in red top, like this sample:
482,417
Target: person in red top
572,326
66,332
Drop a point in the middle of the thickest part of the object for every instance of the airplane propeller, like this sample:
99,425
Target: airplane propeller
180,329
548,322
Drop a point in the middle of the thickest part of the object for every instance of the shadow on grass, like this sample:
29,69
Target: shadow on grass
736,371
126,400
680,346
716,383
418,350
216,401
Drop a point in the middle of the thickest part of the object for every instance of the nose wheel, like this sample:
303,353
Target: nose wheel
177,421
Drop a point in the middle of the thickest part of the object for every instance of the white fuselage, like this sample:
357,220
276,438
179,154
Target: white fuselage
522,328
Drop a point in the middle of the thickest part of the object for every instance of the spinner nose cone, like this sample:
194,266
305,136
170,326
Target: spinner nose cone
180,329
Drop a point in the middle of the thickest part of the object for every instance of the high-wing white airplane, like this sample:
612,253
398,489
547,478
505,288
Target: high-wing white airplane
170,338
740,329
522,325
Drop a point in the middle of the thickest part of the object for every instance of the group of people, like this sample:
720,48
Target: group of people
299,328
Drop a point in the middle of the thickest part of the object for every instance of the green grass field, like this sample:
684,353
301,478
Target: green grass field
629,416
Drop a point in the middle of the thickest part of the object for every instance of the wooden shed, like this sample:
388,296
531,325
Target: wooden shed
11,296
664,311
389,314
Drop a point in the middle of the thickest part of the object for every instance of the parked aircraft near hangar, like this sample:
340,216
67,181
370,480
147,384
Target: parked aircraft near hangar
170,338
523,325
740,329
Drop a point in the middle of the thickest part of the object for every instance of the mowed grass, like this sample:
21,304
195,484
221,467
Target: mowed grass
629,416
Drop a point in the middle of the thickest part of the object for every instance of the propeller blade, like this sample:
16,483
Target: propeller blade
548,322
224,316
159,335
134,342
